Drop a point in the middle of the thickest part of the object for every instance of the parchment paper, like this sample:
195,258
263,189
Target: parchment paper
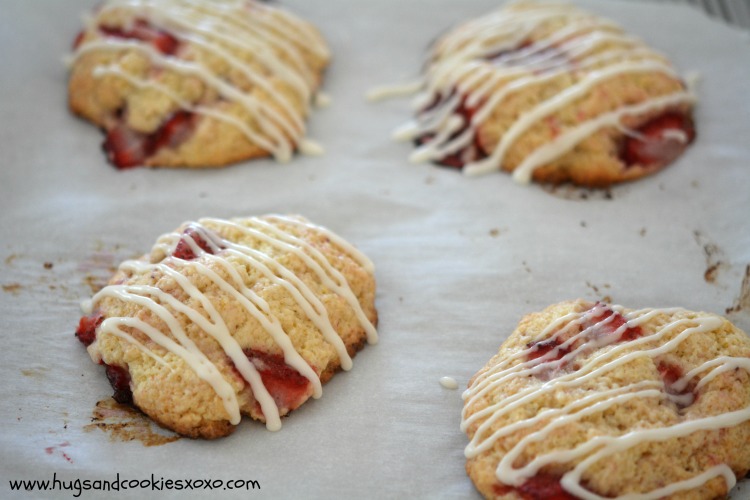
459,260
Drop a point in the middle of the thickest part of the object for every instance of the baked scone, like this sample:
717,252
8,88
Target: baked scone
551,93
229,317
590,400
196,83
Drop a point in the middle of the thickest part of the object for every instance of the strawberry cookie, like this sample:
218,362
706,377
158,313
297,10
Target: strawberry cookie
590,400
229,317
553,94
205,83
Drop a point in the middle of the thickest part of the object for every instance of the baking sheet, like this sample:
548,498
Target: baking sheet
459,260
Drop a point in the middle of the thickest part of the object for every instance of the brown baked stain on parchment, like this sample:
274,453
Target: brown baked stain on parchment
125,423
27,280
742,303
38,373
597,290
577,193
14,288
98,266
714,256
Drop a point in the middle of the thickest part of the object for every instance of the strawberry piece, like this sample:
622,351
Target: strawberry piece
86,331
501,54
470,153
605,323
183,249
669,372
663,139
288,388
126,148
142,30
165,43
542,347
173,132
544,487
539,487
617,321
119,379
78,39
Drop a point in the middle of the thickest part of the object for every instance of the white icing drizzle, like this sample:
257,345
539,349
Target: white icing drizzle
568,139
258,139
220,28
322,100
651,344
328,275
362,259
449,383
388,91
166,307
310,148
460,68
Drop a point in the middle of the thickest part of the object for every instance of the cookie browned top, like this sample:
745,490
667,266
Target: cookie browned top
596,401
224,317
196,83
552,93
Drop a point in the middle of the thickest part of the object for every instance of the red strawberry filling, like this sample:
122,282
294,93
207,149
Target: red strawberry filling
142,30
288,388
86,331
184,250
614,324
78,39
127,148
119,379
659,141
606,323
505,53
670,374
539,487
174,131
470,153
543,347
